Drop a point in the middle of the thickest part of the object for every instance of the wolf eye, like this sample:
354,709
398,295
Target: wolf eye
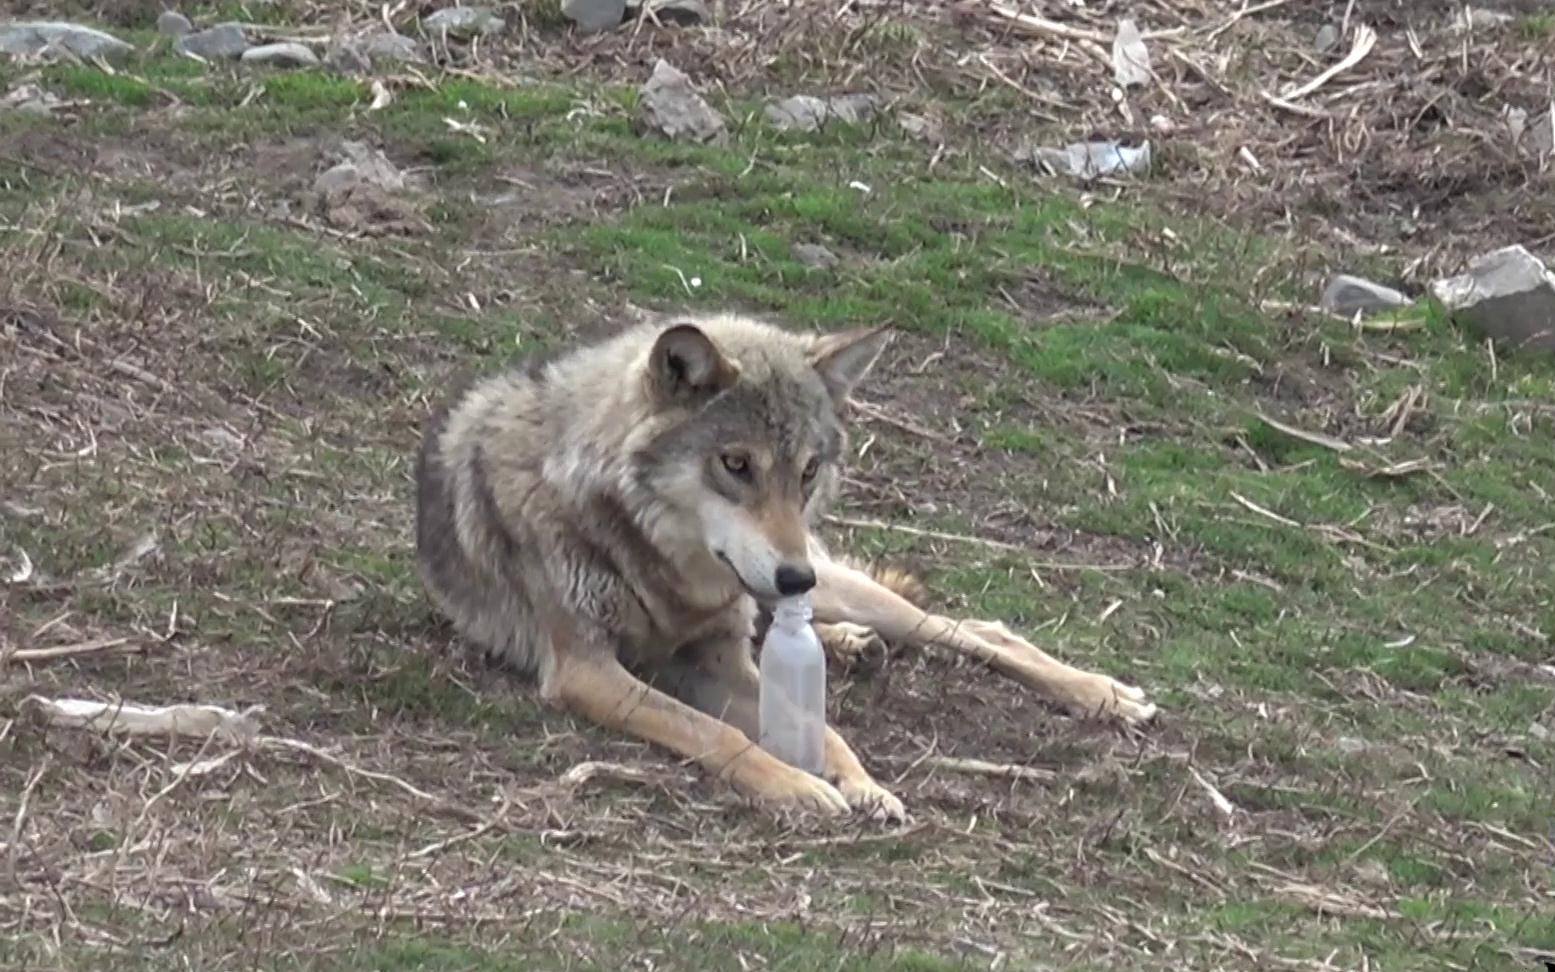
811,468
736,463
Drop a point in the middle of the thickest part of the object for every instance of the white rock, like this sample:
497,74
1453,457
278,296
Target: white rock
30,38
1507,295
1346,294
286,54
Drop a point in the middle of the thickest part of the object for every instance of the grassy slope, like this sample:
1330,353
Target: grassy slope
1355,667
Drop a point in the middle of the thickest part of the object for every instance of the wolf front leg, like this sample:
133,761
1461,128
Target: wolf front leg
843,594
594,685
722,680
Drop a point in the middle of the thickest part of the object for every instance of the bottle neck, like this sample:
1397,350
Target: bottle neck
792,614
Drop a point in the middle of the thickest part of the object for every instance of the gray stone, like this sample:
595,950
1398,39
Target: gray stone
31,38
359,164
388,47
1350,745
1327,38
463,22
1539,137
686,13
347,57
223,41
1478,18
361,53
173,24
815,255
669,105
808,113
287,54
1348,295
1506,295
592,16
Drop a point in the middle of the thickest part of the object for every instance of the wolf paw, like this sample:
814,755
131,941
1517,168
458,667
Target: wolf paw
798,790
1083,693
1103,695
867,795
850,643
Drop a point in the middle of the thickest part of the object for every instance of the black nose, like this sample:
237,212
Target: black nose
794,580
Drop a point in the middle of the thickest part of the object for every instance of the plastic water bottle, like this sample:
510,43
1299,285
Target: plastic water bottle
793,688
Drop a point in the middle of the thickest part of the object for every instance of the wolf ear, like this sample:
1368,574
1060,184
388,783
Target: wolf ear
844,358
685,363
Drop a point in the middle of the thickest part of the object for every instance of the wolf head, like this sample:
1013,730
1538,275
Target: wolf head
751,440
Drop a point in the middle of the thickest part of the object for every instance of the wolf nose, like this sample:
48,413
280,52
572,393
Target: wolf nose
794,580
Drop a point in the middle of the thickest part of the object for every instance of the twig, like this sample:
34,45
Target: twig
21,817
1365,40
1316,438
858,524
978,767
875,412
1226,807
1261,511
66,651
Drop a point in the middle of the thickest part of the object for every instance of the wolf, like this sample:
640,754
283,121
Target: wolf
615,521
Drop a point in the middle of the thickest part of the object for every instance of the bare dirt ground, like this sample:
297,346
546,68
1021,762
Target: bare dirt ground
212,383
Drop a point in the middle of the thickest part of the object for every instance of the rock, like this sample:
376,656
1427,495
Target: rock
815,255
463,22
388,47
1088,160
30,99
358,193
360,164
361,53
1478,18
1348,295
669,105
173,24
808,113
288,54
922,127
1538,138
1506,295
1540,733
31,38
221,42
347,57
685,13
1350,745
592,16
1327,38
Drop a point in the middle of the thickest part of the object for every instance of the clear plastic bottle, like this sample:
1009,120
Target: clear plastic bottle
793,688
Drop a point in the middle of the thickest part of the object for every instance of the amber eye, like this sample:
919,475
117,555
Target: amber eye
737,464
811,468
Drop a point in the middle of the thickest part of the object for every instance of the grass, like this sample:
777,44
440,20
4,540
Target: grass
1352,658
